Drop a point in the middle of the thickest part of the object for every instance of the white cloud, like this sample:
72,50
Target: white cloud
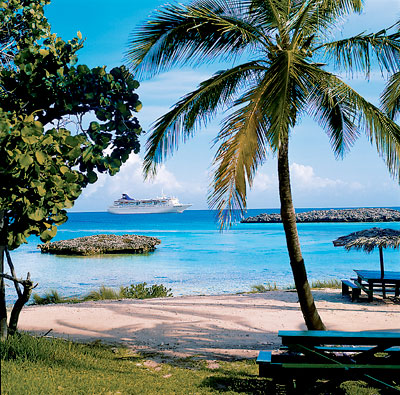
304,177
263,182
172,85
130,180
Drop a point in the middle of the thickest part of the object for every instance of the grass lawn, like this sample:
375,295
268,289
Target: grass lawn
48,366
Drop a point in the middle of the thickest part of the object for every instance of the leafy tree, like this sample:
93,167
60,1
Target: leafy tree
43,166
285,78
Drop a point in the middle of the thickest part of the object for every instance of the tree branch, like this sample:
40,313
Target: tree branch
18,280
9,261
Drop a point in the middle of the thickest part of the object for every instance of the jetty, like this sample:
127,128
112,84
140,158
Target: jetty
102,244
334,215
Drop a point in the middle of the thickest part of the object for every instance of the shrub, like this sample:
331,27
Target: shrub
134,291
103,293
260,288
49,297
142,291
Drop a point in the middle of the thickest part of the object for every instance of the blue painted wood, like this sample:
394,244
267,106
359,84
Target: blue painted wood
264,357
338,337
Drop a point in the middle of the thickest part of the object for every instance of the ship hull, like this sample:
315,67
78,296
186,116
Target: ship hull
148,210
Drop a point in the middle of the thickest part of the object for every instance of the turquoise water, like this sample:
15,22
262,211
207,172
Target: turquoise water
194,256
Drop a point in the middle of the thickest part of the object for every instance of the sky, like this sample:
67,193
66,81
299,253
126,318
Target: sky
360,179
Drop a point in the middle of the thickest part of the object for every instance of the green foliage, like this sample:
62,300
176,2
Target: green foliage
23,347
335,283
43,166
142,291
134,291
260,288
290,45
103,293
50,297
31,365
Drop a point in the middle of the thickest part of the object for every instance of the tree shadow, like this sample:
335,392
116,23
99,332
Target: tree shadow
250,385
223,327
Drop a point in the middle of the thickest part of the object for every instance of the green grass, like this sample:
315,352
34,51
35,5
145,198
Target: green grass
143,291
260,288
134,291
326,284
48,366
49,297
104,293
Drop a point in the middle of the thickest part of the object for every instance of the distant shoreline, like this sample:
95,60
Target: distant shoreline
277,209
333,215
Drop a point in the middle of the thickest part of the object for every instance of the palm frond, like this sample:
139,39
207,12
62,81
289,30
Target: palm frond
391,96
358,53
195,109
286,95
331,110
272,13
317,17
182,35
257,127
380,130
243,150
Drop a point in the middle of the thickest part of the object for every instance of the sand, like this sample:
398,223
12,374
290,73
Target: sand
219,327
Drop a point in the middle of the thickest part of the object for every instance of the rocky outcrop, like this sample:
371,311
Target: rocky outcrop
344,215
102,244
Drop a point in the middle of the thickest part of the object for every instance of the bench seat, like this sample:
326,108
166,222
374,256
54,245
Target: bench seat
333,355
355,292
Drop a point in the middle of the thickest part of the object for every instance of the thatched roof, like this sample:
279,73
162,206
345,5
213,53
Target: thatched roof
369,239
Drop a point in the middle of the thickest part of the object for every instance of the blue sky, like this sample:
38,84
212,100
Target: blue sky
318,179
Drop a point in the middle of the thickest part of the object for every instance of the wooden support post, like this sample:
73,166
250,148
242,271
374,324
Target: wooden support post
382,271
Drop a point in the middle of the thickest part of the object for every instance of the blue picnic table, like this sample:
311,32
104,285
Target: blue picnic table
334,355
373,281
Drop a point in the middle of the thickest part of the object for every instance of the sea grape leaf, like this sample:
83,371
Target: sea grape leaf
25,160
48,234
44,166
40,157
37,215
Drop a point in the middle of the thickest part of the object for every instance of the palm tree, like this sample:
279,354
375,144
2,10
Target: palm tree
287,41
391,96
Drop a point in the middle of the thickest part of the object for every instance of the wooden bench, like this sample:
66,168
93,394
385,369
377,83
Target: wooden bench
356,287
355,290
333,355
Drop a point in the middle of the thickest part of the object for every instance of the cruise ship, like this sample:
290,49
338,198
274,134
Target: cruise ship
159,205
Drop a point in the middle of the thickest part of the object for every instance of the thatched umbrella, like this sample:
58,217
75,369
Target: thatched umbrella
369,239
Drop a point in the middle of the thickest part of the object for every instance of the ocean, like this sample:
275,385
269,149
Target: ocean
194,257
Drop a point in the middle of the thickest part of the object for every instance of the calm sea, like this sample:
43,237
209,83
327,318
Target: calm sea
194,256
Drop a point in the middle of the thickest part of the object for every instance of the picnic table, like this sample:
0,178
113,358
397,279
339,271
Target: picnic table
374,281
333,355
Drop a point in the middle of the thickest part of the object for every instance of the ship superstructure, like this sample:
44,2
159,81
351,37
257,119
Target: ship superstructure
159,205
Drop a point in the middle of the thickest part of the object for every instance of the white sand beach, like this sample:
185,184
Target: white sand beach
224,326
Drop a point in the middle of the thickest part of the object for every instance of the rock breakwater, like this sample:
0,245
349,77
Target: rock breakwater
342,215
102,244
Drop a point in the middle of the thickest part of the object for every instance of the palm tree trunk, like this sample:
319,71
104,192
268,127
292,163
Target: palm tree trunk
307,305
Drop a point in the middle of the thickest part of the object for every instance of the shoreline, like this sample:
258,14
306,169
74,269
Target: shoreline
194,257
219,326
353,215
